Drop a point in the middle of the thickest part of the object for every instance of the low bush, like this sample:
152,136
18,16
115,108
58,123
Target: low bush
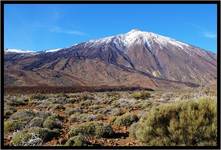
92,129
78,117
36,122
23,115
84,129
188,123
33,136
13,125
141,95
104,131
125,120
52,122
78,140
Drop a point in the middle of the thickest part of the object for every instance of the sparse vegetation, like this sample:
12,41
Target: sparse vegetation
111,118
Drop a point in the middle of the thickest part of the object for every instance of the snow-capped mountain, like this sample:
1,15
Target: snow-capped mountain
136,36
137,58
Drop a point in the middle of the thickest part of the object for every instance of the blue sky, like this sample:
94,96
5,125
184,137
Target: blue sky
48,26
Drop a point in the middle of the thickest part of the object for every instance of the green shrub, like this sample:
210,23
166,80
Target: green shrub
13,125
33,136
36,122
125,120
104,131
78,140
21,138
92,129
187,123
52,122
23,115
84,129
141,95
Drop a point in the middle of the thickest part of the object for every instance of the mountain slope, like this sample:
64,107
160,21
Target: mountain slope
133,59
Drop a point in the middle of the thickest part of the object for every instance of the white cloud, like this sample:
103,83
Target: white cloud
67,31
209,35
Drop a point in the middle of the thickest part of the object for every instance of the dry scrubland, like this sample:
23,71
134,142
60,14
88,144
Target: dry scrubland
125,118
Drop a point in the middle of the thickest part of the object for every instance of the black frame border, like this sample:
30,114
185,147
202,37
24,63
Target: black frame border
217,2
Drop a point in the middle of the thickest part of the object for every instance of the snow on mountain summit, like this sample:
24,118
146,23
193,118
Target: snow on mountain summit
136,36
